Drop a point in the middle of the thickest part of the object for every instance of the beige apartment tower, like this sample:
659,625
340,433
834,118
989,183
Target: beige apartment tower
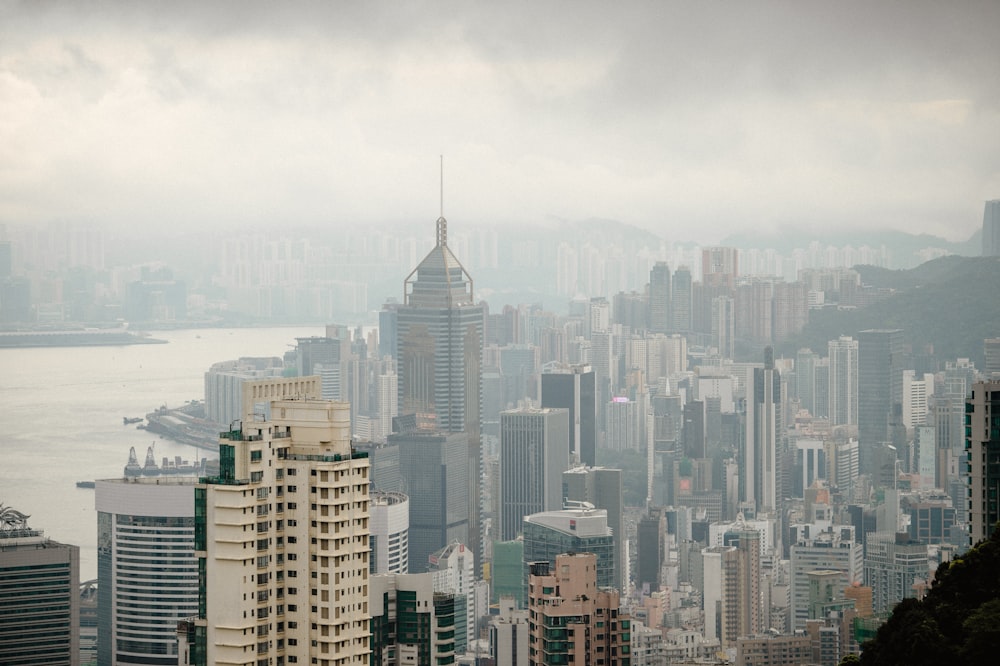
282,540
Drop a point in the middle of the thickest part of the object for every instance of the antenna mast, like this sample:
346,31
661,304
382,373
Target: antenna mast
442,224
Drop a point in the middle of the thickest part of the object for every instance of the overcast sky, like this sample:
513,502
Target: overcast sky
693,119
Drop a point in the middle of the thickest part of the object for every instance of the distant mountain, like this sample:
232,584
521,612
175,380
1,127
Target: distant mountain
952,303
906,249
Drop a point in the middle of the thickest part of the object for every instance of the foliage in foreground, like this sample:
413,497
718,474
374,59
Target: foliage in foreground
957,622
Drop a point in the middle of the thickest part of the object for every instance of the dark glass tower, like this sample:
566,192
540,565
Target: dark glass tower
880,386
439,339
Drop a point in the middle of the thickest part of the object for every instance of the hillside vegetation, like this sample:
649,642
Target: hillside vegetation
952,303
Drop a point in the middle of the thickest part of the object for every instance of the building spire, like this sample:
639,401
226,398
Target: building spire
442,224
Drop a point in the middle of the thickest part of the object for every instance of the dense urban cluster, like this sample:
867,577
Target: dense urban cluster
642,479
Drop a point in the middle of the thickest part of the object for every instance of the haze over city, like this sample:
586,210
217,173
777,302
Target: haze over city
695,120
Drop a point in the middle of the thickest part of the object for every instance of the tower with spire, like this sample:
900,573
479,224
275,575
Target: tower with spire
439,342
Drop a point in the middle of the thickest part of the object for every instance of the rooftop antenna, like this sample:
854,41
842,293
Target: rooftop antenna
442,224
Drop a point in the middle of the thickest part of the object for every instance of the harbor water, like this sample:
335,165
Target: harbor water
62,411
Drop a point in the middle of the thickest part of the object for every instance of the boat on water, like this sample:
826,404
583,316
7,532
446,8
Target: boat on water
177,466
86,484
129,420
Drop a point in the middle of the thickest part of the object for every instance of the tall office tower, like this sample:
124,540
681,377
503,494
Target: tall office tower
764,437
386,401
582,529
436,479
822,369
224,394
282,541
650,535
411,623
991,352
720,266
982,444
724,325
680,301
509,644
916,394
39,595
834,549
573,387
601,487
659,298
626,424
631,310
390,532
571,618
440,346
880,386
991,229
893,563
316,350
534,452
805,379
141,521
519,366
790,310
387,334
453,570
598,317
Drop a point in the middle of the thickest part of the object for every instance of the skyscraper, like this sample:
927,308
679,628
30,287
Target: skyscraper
574,388
880,386
765,434
534,452
601,487
439,330
582,529
141,521
982,444
282,541
680,301
659,298
390,532
991,229
843,395
39,595
436,479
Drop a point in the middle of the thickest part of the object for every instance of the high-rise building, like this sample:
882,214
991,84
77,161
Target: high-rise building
453,569
224,392
436,479
843,381
720,594
764,437
282,540
680,301
141,521
534,452
390,532
509,644
834,549
893,564
805,379
982,444
439,329
571,618
880,387
39,595
582,529
659,298
412,623
601,487
916,394
991,229
573,388
991,354
720,266
650,543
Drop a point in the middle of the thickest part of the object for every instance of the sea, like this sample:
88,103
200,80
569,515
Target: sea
61,413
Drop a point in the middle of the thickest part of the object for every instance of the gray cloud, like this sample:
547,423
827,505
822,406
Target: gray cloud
696,119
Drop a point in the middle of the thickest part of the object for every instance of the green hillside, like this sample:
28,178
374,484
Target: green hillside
952,303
